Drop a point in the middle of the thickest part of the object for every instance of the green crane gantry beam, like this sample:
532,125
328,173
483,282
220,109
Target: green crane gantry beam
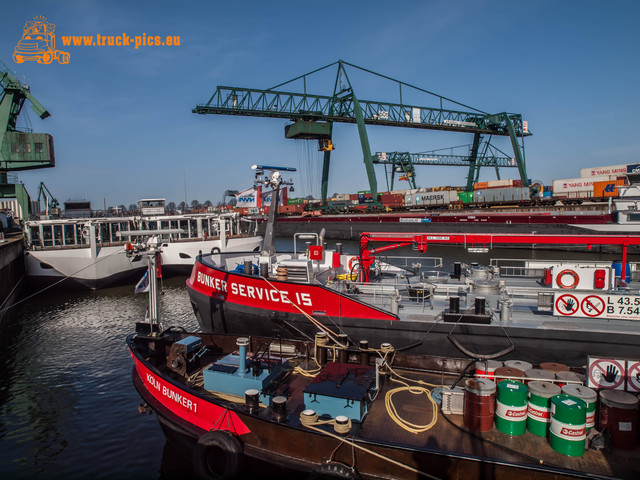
308,110
405,162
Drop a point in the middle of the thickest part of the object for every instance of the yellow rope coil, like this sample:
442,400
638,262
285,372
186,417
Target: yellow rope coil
309,418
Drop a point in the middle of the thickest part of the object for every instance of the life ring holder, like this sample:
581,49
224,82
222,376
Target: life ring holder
353,261
568,286
218,455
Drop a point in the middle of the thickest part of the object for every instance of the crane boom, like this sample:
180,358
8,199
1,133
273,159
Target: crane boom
313,115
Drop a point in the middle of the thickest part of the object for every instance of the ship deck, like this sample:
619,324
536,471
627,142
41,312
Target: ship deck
449,439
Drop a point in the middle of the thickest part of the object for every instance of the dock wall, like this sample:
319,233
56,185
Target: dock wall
12,272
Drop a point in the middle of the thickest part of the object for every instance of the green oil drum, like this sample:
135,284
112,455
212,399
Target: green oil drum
589,397
567,432
511,407
538,417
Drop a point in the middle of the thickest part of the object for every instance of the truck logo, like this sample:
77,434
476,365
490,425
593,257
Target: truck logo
38,43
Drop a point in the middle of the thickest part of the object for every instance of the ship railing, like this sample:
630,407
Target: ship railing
410,264
509,267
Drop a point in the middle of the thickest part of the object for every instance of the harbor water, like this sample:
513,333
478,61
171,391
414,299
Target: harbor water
68,408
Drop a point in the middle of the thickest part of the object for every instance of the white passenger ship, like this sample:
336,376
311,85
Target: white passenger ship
91,251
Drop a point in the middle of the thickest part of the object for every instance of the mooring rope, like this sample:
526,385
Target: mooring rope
317,323
58,282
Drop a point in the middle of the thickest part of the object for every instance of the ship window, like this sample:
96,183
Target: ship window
69,234
15,148
26,147
633,217
35,236
39,147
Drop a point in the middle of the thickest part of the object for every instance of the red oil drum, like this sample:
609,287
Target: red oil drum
479,404
486,368
619,413
508,373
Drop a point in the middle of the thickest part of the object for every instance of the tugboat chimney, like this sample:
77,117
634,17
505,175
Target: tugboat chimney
242,344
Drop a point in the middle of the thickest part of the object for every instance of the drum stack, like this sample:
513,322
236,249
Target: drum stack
550,402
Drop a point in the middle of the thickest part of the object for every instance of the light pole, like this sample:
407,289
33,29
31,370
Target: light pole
186,205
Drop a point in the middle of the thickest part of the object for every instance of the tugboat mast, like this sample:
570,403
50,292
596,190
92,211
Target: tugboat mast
275,181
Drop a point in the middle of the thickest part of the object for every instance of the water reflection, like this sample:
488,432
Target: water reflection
67,404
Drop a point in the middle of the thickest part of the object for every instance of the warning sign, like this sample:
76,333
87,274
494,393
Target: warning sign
624,307
633,375
567,304
606,373
592,306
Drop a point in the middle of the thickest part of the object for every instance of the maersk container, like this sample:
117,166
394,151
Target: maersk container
436,198
601,171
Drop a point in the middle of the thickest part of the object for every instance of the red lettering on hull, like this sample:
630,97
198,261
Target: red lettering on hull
191,408
287,297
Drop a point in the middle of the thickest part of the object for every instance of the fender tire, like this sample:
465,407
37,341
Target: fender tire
217,456
334,470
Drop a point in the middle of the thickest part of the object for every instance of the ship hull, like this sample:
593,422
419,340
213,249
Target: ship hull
557,341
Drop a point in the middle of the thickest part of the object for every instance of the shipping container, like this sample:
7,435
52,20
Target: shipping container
565,186
508,182
480,185
607,188
600,171
465,197
498,195
435,198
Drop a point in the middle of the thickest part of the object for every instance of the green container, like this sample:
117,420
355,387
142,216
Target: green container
538,417
567,432
511,407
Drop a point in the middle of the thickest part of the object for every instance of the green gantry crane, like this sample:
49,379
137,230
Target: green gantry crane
313,116
20,150
403,163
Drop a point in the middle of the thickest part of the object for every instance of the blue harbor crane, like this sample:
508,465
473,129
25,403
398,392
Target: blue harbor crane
313,116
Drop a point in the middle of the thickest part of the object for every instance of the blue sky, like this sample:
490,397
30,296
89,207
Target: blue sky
123,127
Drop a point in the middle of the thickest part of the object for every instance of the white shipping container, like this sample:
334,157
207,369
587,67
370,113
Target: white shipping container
599,171
444,197
500,183
578,184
